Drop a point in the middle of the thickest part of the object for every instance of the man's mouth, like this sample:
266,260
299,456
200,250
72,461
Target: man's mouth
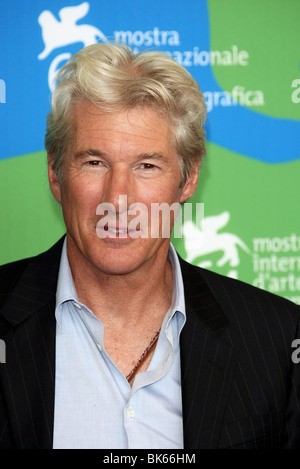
116,230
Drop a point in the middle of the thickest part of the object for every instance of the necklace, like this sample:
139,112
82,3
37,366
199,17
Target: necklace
143,357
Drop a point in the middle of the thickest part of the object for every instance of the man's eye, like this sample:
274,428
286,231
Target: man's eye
148,166
94,163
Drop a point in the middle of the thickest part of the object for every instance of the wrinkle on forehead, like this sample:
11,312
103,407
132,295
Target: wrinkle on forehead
123,130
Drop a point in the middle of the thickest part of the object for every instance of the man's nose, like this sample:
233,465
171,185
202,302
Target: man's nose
119,189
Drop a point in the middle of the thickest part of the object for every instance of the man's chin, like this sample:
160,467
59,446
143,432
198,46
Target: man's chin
116,267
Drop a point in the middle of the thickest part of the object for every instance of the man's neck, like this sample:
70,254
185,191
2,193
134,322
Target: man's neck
131,306
127,297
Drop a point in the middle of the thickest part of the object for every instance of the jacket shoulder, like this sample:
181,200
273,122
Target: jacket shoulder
11,272
9,275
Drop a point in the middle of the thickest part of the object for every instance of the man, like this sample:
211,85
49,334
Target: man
112,340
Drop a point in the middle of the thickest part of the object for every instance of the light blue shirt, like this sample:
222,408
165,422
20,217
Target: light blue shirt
95,407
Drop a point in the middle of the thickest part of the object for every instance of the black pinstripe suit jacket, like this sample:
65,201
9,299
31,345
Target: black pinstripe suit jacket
240,388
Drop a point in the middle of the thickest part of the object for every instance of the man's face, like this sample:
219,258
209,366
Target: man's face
128,154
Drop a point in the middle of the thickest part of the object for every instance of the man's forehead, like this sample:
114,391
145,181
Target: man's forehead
136,116
94,130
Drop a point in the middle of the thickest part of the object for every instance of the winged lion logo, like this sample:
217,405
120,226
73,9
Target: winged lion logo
206,239
57,33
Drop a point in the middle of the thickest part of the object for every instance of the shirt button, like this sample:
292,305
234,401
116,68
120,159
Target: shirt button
130,412
77,305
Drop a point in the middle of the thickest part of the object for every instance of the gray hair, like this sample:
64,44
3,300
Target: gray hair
113,78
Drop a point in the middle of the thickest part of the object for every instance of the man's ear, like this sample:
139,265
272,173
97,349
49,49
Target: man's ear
190,184
53,179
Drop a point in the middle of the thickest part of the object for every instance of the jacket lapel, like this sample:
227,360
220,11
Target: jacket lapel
207,363
28,324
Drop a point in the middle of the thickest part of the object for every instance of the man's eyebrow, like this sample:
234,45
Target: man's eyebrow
80,154
151,156
88,152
